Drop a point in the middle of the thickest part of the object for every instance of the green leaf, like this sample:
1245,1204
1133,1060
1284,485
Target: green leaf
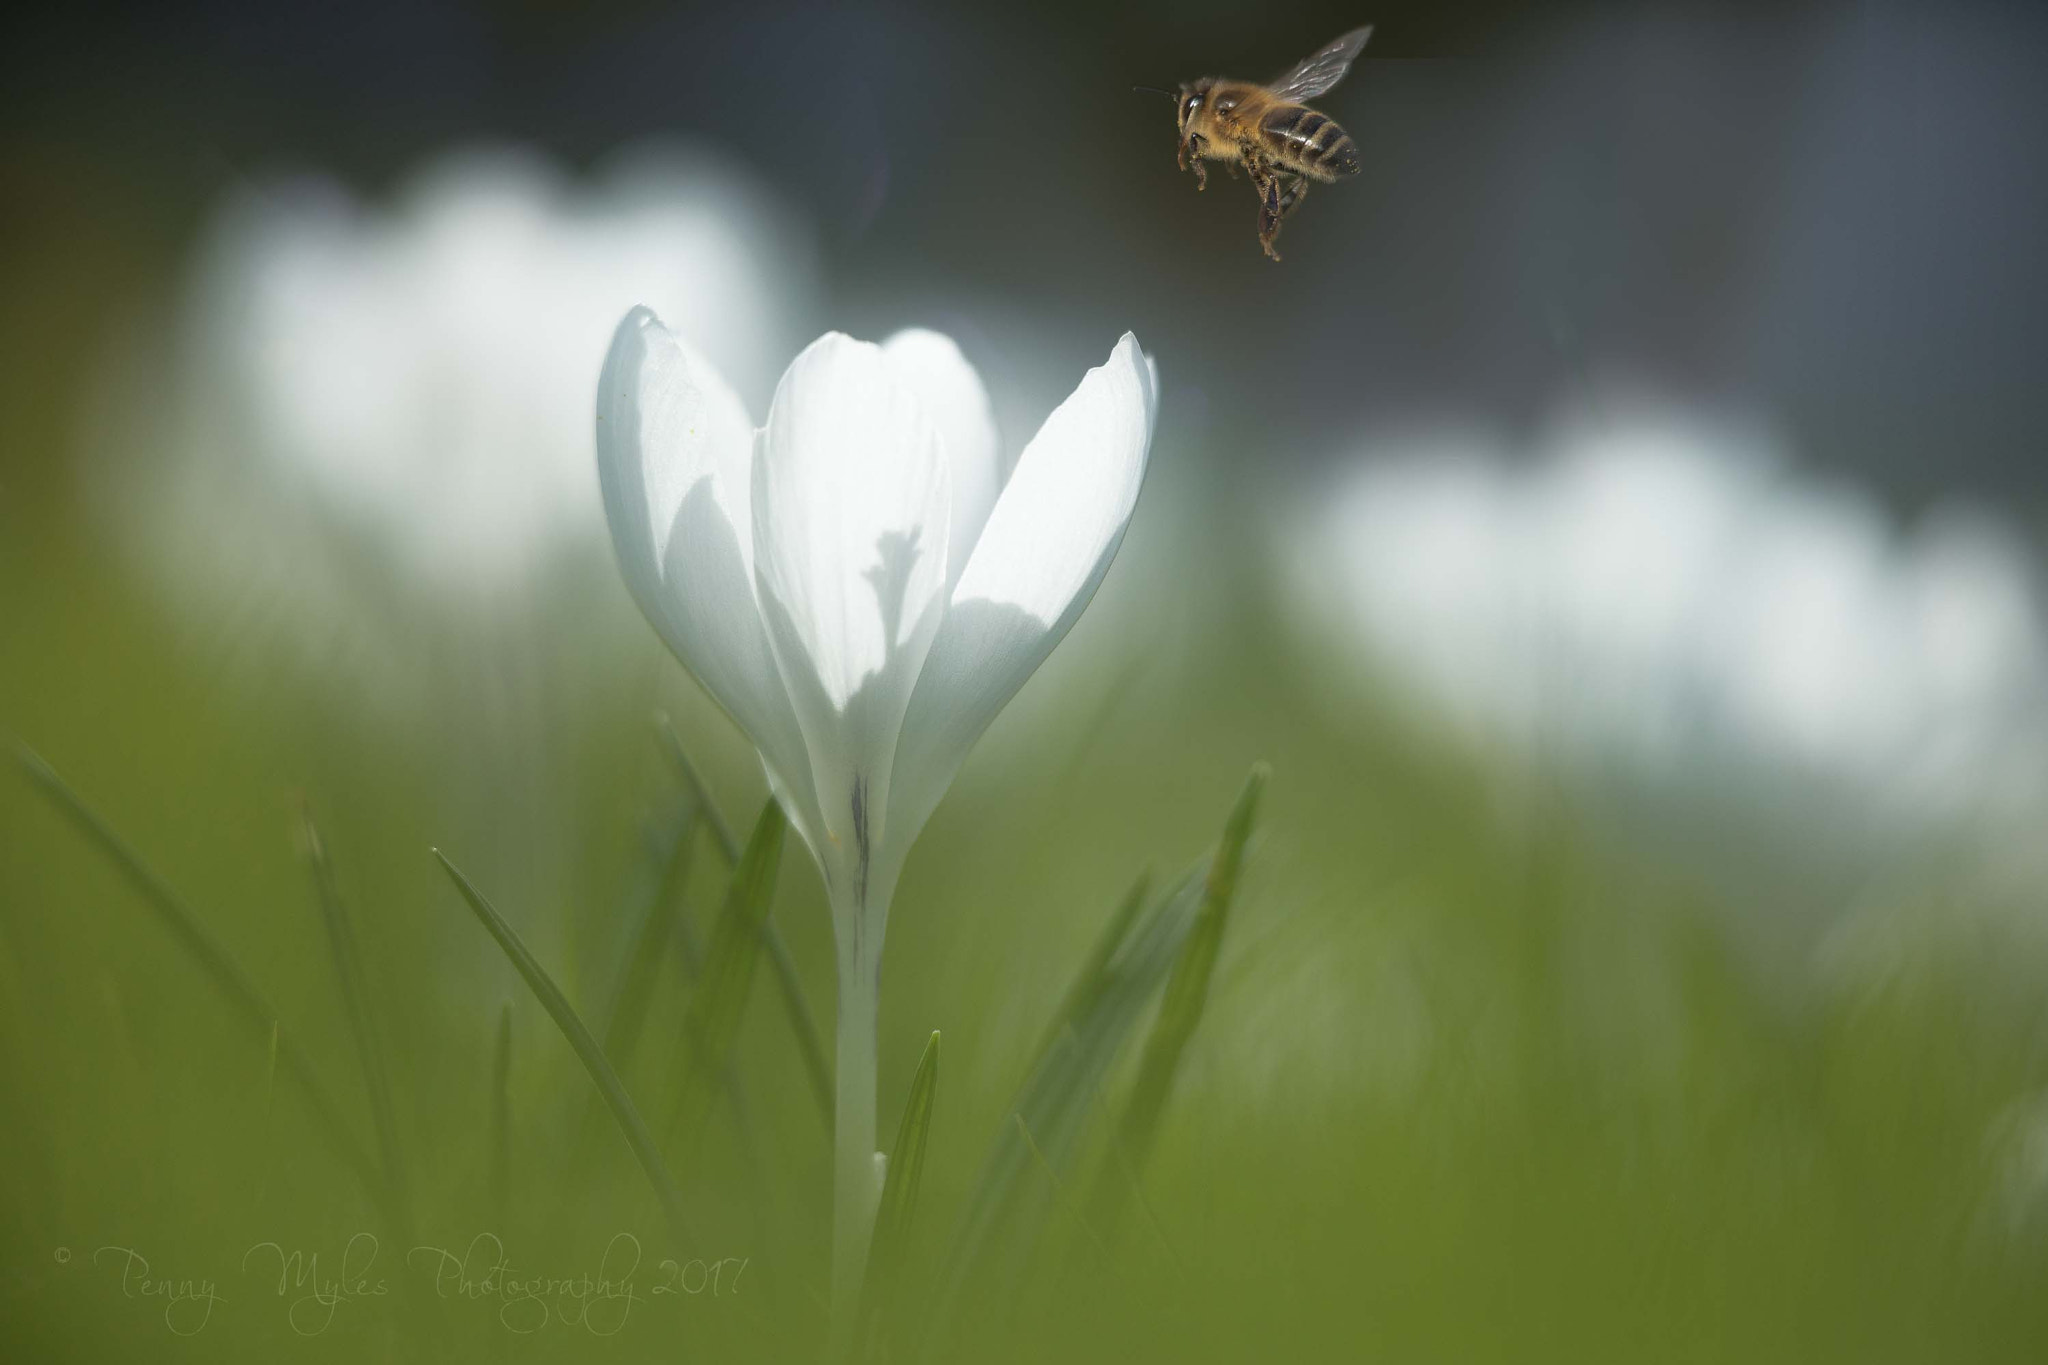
802,1022
711,1021
898,1205
586,1049
1089,983
659,918
1048,1118
721,829
501,1116
348,968
268,1148
655,915
234,985
1187,990
1034,1153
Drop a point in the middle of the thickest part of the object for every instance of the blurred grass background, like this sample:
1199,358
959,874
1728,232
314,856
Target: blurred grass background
1474,1080
1482,1075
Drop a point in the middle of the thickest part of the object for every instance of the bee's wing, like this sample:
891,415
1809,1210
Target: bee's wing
1320,71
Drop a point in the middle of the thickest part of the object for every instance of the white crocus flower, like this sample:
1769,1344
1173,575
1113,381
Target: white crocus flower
861,591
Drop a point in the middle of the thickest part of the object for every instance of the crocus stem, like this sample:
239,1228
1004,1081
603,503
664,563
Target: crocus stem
853,1167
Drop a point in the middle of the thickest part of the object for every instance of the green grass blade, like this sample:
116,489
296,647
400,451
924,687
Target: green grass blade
501,1116
1091,980
656,915
1025,1174
714,819
348,967
659,920
269,1148
898,1204
1059,1188
1187,990
711,1021
586,1049
802,1022
1012,1195
191,934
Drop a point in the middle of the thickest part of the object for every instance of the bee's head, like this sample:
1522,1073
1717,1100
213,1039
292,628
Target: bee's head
1193,100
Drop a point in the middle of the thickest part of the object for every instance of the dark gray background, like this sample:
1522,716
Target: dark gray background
1831,215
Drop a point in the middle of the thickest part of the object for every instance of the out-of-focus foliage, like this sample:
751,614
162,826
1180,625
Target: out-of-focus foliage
1493,1062
1472,1079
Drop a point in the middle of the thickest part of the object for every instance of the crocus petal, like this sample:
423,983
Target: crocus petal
952,393
674,448
851,520
1050,539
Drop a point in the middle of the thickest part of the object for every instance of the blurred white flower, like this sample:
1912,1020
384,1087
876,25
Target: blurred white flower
861,592
399,393
1665,596
355,463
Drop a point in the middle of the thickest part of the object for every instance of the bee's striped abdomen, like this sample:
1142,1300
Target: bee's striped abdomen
1310,142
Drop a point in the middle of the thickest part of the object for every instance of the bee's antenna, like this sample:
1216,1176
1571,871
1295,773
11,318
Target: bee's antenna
1154,90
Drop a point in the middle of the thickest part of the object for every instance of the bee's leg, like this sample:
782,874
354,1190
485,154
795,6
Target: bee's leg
1268,186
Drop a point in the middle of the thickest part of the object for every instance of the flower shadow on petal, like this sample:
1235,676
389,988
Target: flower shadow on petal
979,661
851,767
711,624
891,581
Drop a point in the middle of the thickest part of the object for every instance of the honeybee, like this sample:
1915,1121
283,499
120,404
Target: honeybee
1268,129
